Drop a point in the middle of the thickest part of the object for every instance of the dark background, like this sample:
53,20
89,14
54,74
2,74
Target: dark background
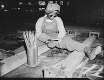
90,11
73,12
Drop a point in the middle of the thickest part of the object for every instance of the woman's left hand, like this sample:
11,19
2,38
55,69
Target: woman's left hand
54,42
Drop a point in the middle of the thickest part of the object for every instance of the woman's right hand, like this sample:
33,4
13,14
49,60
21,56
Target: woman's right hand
52,44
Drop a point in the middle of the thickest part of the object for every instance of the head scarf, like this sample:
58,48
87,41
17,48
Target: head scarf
52,7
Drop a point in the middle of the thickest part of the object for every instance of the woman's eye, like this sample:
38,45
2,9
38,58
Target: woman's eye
51,15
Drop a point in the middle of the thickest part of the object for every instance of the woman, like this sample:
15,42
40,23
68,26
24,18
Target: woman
50,30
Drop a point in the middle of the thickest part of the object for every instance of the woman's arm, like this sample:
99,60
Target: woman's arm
61,28
38,27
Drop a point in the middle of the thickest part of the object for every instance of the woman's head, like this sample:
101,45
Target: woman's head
52,10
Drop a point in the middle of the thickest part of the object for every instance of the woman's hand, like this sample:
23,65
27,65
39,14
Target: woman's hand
54,42
43,37
58,39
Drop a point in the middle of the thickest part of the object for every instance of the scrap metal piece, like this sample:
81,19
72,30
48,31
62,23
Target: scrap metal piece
94,33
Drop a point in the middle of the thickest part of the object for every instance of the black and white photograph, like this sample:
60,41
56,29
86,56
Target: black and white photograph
52,39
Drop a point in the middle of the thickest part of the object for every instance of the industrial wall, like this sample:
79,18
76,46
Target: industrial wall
89,11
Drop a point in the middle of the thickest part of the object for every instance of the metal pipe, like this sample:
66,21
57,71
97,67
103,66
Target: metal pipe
32,57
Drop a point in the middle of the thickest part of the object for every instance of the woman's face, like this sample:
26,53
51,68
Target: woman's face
52,15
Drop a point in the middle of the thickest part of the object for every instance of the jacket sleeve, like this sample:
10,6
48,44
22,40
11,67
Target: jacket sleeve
61,28
38,27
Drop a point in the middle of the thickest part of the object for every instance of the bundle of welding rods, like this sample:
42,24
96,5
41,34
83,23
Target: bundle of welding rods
30,39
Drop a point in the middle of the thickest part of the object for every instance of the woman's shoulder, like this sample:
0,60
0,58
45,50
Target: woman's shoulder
40,19
58,18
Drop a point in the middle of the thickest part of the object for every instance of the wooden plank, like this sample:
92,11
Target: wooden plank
18,50
13,62
41,49
0,67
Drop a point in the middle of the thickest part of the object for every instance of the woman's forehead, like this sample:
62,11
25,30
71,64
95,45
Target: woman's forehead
54,12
